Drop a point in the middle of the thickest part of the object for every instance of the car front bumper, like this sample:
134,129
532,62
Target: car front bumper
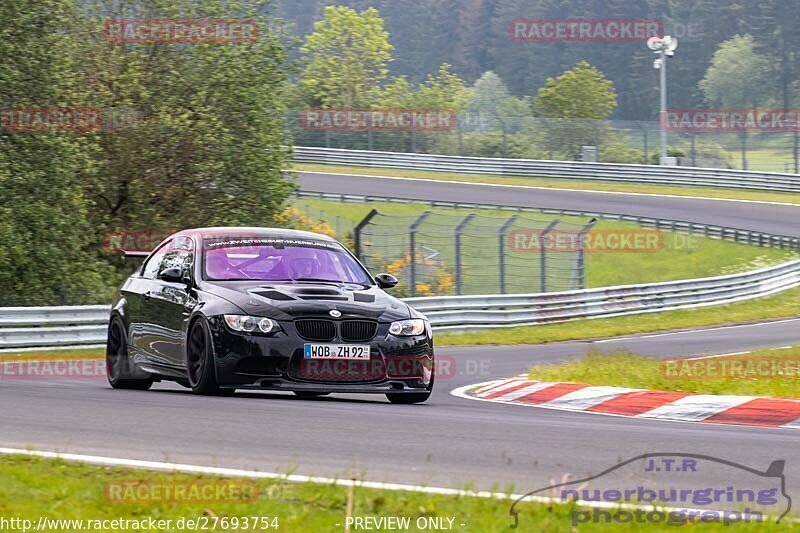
277,362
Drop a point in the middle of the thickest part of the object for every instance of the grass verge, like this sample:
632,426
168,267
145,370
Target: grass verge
706,192
783,305
31,488
88,353
762,373
677,256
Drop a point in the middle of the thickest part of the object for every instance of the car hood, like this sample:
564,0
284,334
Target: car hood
287,301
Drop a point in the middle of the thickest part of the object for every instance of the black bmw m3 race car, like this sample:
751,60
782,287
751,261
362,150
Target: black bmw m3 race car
220,309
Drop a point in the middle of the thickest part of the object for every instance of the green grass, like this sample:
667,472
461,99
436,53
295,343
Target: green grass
782,305
681,256
705,376
766,159
31,488
571,183
88,353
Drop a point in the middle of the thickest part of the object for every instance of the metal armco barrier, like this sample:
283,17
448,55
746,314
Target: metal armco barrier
640,174
469,312
86,325
25,327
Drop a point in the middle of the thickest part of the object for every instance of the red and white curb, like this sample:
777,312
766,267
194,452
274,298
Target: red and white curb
639,403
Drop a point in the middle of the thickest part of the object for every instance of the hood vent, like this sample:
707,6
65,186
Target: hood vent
365,298
321,294
273,295
317,292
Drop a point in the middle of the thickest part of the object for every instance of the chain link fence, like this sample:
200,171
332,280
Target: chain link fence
471,253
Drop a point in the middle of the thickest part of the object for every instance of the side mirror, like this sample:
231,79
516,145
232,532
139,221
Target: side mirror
172,275
386,281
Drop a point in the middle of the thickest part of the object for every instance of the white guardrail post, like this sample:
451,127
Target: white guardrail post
49,327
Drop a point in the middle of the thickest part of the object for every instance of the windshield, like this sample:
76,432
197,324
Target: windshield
281,260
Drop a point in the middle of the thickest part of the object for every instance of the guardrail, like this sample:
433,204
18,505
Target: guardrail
466,312
86,325
640,174
26,327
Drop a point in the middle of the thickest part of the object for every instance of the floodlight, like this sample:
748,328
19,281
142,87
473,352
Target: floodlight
664,48
654,43
673,43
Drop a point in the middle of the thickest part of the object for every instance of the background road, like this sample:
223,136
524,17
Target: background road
777,219
448,441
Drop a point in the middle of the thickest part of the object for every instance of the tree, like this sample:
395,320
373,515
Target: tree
207,146
573,107
443,90
348,54
738,76
489,93
43,212
582,92
204,143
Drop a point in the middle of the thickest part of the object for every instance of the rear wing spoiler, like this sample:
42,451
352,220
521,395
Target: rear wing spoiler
135,254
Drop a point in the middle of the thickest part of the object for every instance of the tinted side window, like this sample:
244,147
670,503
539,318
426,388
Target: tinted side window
153,265
179,253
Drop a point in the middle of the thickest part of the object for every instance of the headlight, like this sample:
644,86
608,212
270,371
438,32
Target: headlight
250,324
407,328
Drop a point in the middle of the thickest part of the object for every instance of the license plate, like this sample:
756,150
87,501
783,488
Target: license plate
336,351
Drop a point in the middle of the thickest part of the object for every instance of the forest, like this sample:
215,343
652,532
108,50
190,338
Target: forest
473,36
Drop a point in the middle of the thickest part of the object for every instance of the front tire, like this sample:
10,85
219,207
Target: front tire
408,397
118,362
411,397
200,368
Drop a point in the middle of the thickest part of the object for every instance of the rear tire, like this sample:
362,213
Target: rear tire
200,368
117,360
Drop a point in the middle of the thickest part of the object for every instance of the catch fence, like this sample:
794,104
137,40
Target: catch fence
472,253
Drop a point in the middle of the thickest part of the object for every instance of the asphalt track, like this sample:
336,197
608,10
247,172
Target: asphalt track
446,442
777,219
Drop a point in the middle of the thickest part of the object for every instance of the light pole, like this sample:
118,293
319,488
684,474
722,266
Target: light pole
664,47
